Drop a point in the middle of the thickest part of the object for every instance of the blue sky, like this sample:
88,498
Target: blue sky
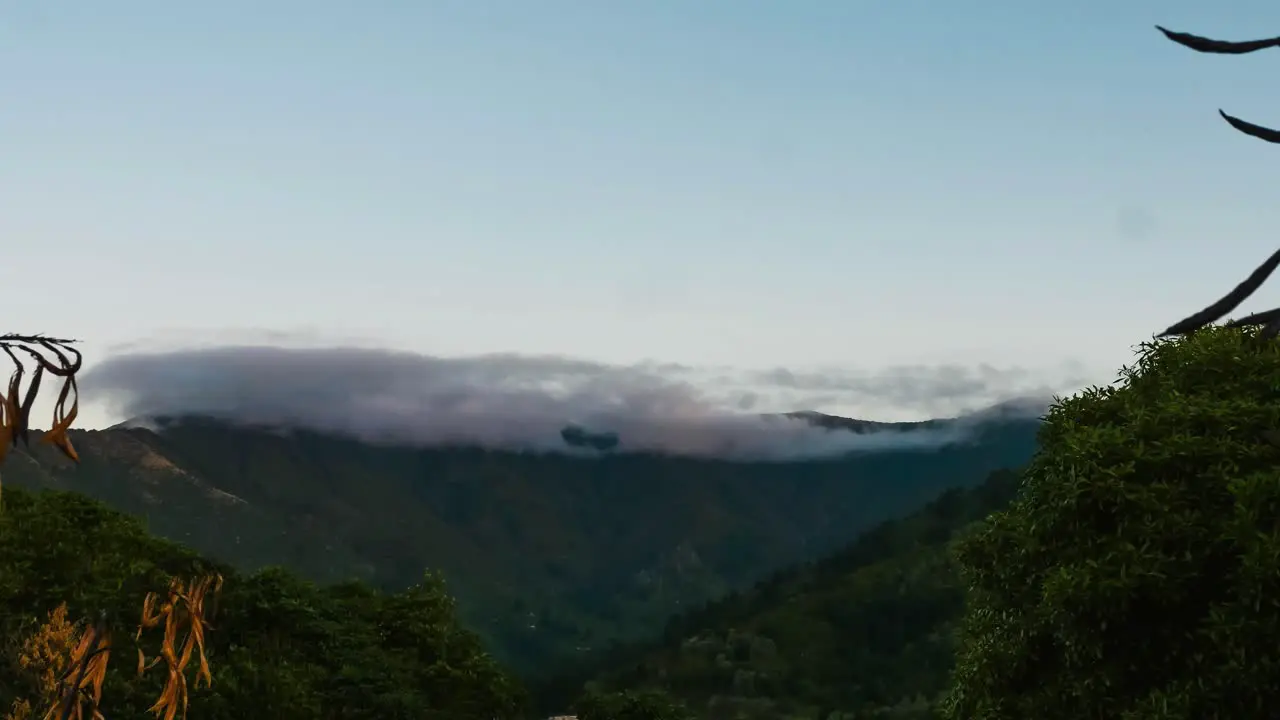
794,184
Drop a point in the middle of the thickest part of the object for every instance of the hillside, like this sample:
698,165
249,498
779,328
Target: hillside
552,556
277,647
868,629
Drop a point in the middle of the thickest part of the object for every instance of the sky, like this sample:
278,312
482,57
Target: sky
999,189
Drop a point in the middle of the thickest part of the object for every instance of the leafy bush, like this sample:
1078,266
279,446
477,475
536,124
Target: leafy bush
280,647
1138,573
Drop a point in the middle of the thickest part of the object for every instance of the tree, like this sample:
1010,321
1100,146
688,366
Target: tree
1137,575
281,648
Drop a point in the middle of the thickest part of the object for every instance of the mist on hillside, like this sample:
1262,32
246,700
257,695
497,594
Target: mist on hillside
518,402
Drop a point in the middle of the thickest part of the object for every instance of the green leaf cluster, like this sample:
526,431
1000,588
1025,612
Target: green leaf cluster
1137,575
279,647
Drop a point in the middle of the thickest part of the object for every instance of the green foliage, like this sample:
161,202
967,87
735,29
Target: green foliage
1138,574
630,705
867,630
279,647
550,556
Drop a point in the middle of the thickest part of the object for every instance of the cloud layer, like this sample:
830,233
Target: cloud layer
523,402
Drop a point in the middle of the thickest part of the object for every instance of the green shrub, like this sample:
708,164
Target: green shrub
279,647
1138,573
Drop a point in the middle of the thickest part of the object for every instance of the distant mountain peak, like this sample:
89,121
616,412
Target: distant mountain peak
770,440
838,422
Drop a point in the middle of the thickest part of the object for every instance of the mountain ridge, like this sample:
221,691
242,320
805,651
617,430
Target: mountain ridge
550,554
578,435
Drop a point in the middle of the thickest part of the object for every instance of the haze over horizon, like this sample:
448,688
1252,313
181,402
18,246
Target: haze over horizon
1009,196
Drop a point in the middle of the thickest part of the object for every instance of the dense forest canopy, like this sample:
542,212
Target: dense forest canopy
1136,574
278,646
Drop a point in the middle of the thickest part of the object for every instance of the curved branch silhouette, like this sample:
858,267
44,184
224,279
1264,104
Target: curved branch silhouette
1270,319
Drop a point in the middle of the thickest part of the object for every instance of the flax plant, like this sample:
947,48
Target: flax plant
183,612
81,684
43,356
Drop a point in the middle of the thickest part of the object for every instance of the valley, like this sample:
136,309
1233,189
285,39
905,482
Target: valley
869,629
554,558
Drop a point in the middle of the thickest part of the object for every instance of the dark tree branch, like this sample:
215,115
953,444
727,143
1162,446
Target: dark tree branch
1248,128
1225,47
1269,320
1259,318
1228,302
1218,47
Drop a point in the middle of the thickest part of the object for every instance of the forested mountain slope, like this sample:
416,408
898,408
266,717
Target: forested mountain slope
551,555
865,630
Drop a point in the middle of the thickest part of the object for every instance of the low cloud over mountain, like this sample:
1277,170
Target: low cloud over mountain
524,402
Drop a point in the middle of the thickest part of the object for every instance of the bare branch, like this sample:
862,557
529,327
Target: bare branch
1270,330
1260,318
1248,128
1218,47
1229,302
1269,320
